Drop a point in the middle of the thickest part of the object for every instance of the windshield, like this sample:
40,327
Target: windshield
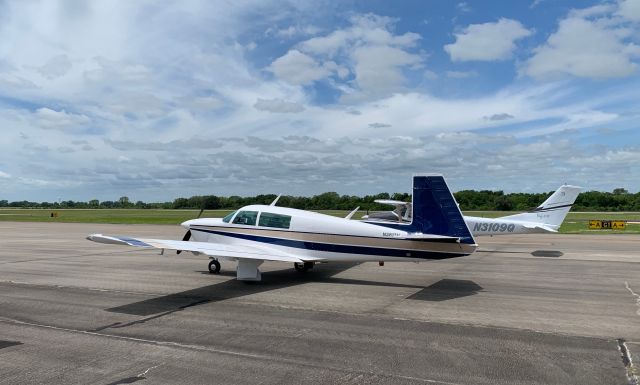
227,219
246,218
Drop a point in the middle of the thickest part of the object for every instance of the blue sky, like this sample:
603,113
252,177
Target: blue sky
156,100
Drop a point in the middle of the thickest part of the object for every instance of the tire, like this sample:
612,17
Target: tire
214,267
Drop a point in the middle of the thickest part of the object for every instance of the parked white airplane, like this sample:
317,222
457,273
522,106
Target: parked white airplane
259,233
545,218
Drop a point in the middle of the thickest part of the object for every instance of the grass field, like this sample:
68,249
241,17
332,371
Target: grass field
576,222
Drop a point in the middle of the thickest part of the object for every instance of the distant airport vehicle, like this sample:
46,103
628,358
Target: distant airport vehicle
258,233
545,218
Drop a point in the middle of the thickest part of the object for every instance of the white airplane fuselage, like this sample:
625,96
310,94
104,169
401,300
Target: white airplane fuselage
497,226
327,238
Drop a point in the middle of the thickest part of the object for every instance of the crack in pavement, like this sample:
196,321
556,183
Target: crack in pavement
139,377
626,284
628,362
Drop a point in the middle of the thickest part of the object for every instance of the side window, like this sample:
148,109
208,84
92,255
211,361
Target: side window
274,220
246,218
228,217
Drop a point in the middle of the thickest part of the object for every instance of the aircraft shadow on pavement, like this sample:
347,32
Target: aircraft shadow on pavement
447,289
273,280
232,288
547,253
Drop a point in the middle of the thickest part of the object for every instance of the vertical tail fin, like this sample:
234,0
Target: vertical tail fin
435,210
553,210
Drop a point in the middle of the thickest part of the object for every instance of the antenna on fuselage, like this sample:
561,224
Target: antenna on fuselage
275,200
352,213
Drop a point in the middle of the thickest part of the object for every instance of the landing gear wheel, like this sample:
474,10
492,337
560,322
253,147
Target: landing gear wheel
214,267
303,267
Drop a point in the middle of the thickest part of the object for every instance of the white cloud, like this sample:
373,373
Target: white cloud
461,74
368,50
297,68
535,3
295,31
488,41
55,67
204,103
429,75
365,30
463,7
4,175
278,106
379,125
630,9
587,44
584,118
48,118
15,82
378,69
497,117
251,46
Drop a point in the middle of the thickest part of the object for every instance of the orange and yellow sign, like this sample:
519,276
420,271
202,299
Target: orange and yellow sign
597,224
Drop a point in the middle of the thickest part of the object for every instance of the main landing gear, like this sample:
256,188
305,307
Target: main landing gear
214,267
303,267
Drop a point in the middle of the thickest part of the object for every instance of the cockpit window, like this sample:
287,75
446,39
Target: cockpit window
274,220
228,217
246,218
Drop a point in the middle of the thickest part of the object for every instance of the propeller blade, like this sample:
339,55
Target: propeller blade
200,214
186,237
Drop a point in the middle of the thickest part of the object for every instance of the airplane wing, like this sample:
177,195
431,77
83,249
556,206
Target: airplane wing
212,249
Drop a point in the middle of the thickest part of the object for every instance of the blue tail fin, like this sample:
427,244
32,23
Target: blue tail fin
435,210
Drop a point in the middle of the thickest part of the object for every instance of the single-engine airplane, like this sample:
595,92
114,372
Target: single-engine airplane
545,218
258,233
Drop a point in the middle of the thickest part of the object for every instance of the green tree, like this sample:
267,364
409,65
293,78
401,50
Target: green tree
124,202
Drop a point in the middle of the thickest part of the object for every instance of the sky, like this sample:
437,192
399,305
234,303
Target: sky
156,100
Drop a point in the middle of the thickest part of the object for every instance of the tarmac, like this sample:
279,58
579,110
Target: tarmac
528,309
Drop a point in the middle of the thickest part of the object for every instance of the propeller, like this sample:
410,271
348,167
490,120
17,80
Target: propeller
187,235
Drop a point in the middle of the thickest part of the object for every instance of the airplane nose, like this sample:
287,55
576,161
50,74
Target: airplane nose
186,224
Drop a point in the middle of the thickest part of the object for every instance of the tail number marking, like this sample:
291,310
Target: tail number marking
495,227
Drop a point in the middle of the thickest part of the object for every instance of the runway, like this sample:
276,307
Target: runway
534,309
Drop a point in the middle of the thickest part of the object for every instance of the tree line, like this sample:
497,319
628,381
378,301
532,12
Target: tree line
617,200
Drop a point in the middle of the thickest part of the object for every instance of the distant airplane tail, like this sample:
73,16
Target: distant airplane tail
552,211
435,210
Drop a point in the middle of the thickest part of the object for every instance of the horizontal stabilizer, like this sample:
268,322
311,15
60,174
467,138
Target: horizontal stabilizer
431,237
391,202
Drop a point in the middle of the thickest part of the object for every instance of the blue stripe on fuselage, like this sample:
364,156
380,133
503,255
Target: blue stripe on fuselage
335,248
